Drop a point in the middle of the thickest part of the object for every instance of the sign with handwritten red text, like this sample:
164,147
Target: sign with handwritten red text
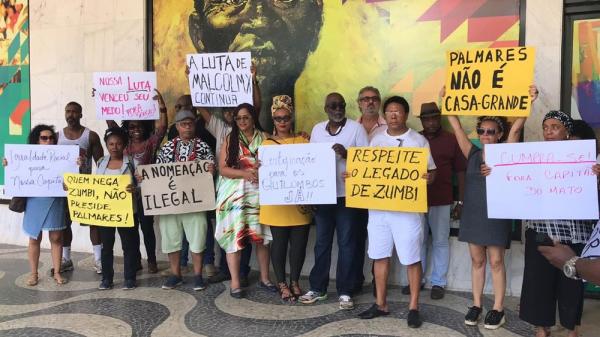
542,180
125,96
220,79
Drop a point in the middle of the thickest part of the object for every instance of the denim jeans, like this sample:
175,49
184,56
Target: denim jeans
209,252
438,220
329,219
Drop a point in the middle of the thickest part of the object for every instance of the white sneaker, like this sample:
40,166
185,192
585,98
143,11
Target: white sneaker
98,267
346,302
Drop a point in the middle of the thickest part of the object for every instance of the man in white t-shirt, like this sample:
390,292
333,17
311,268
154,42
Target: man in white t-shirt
400,230
343,133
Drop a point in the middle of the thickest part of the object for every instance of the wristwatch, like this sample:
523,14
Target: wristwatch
569,268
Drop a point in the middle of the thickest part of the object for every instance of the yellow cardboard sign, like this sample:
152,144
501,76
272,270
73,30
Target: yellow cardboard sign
489,81
387,178
100,200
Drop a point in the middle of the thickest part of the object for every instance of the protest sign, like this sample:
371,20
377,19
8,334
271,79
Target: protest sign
297,174
592,248
125,96
220,79
489,81
387,178
37,170
542,180
177,188
100,200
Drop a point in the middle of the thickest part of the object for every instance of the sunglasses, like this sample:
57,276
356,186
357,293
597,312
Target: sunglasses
282,119
369,98
242,118
336,106
46,138
487,132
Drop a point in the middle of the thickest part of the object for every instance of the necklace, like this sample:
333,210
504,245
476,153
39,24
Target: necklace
338,130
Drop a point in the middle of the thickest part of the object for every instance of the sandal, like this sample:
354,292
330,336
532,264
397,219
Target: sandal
59,280
284,291
296,289
32,280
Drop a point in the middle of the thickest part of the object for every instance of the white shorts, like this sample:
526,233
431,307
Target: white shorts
400,229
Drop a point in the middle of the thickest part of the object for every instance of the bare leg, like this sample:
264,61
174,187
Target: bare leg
197,261
496,258
56,250
478,260
174,262
34,254
262,254
573,333
233,262
94,235
415,273
381,269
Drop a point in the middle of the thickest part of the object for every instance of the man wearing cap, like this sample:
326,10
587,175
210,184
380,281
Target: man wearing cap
449,160
185,147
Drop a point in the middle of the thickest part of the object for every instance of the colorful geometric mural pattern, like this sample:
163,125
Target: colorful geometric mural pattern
585,80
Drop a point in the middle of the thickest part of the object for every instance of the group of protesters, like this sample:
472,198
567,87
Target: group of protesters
230,138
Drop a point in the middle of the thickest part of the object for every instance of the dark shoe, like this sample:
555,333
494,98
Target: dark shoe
220,277
129,285
473,316
105,285
413,320
437,292
238,293
406,289
172,282
373,312
244,281
494,319
199,283
152,268
270,287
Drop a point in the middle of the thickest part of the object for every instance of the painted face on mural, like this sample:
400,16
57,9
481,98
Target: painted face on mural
279,34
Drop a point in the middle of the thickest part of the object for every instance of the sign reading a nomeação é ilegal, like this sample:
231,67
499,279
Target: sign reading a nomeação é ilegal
542,180
220,79
297,174
177,188
125,96
100,200
489,81
387,178
37,170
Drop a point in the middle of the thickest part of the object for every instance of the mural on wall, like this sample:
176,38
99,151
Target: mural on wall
585,71
309,48
14,74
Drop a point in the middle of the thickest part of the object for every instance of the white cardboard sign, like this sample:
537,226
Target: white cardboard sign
220,79
37,170
125,96
542,180
297,174
592,248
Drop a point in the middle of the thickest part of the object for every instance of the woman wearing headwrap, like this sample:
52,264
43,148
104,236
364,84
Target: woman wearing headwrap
544,285
289,223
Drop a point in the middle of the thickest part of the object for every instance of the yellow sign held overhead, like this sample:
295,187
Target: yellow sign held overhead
387,178
489,81
100,200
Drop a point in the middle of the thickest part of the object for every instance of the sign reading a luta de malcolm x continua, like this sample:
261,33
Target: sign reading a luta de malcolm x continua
177,188
489,81
387,178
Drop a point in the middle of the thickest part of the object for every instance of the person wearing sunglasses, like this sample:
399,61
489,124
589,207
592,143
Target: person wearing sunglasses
237,198
343,133
487,238
44,214
289,223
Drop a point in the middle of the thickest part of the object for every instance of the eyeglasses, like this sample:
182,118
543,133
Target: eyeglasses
282,119
46,138
242,118
487,132
336,106
365,99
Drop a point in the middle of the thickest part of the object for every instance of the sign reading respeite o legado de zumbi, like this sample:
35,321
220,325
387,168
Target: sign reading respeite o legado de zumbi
125,96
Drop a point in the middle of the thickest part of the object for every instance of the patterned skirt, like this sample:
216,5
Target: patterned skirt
237,215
